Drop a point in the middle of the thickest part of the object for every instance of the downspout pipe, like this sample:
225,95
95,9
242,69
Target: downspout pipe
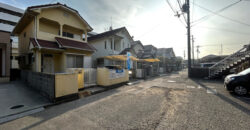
39,47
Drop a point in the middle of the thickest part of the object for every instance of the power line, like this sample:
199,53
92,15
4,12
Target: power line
217,44
207,16
225,17
175,12
224,30
171,7
193,11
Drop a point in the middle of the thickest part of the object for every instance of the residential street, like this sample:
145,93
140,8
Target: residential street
168,102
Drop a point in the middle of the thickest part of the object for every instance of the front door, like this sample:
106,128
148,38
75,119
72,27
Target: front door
48,63
1,62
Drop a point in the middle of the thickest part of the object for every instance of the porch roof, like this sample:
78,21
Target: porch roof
44,44
67,43
120,57
150,60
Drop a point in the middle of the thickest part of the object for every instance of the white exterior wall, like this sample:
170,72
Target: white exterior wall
5,6
9,17
100,46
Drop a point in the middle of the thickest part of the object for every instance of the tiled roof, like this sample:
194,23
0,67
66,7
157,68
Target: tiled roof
49,5
67,43
105,34
44,44
137,42
149,47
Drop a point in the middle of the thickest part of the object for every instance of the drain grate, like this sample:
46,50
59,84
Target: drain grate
17,106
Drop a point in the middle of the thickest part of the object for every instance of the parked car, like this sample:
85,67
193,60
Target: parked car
238,83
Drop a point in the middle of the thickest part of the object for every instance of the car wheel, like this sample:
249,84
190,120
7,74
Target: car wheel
240,90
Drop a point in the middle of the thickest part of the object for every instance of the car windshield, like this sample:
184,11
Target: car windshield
247,71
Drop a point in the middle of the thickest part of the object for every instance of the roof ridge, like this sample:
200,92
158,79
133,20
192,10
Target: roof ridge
111,32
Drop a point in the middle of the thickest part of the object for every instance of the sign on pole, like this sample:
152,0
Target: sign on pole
128,60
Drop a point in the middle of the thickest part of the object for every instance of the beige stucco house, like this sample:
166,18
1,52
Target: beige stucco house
50,39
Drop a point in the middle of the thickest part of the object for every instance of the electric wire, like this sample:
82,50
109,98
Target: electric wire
222,16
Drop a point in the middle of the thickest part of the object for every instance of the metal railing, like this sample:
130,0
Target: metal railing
90,77
223,64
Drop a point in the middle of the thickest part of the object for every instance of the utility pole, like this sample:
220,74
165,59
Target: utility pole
186,8
193,49
198,51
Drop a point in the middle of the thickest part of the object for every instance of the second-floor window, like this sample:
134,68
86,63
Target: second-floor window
67,34
111,45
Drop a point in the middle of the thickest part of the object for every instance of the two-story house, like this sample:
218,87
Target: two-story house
167,59
136,49
149,52
111,42
50,39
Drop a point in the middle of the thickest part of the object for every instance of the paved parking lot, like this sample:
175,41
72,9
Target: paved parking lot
168,102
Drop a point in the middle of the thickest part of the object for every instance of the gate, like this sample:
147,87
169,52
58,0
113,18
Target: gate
90,76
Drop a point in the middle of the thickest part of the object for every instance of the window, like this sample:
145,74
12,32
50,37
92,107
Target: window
105,44
67,34
76,36
74,61
123,45
24,34
111,46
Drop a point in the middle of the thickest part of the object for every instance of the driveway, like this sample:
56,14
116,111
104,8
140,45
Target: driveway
18,100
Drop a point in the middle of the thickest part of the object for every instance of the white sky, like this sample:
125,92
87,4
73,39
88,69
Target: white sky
153,22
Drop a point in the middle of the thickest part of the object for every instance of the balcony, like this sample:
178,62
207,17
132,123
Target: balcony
49,29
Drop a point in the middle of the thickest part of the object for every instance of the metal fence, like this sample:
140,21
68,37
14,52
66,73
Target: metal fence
90,77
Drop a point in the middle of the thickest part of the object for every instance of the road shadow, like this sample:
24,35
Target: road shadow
54,111
221,96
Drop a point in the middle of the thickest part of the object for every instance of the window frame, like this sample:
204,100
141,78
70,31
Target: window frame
67,34
75,63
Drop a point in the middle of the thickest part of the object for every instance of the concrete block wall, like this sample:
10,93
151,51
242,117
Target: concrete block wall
197,72
44,83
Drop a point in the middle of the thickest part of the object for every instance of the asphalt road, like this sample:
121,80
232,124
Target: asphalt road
169,102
